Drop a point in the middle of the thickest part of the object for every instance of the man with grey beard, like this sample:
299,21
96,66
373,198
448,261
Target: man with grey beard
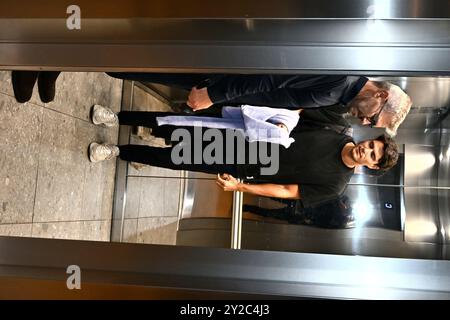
374,103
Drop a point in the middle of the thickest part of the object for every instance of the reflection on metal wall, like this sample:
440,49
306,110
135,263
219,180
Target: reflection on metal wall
422,211
375,206
426,194
260,235
426,217
426,92
371,45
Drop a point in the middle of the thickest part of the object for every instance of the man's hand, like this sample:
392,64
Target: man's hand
199,99
227,182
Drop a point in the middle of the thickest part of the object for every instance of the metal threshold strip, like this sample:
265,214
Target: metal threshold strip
120,189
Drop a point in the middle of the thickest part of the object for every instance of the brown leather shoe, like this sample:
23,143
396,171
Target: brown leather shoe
23,84
47,85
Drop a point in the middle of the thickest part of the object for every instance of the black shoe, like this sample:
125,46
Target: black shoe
47,85
23,84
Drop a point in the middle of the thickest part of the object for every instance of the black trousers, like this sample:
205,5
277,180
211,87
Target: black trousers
162,157
291,212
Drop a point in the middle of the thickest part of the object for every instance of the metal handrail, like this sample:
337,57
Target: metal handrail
236,221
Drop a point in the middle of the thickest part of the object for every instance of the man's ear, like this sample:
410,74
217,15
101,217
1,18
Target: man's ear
382,94
373,167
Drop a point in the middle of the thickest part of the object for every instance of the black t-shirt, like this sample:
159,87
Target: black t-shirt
330,118
313,162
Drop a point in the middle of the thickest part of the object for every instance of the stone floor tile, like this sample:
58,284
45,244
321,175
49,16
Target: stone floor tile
130,230
152,197
75,230
171,197
108,197
143,101
98,184
66,139
59,138
17,187
85,189
96,230
20,124
98,190
78,91
15,230
159,197
57,230
59,191
133,198
20,132
162,230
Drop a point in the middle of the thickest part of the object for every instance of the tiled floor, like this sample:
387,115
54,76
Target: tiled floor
48,187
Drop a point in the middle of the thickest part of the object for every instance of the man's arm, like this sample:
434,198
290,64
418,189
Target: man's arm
230,87
265,90
285,191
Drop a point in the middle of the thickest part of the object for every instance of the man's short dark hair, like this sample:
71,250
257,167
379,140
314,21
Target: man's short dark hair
390,155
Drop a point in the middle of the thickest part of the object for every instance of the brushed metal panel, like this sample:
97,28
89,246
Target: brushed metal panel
227,59
377,206
417,136
421,165
226,270
120,186
421,119
444,215
229,45
385,9
203,198
425,92
422,215
358,32
262,235
444,166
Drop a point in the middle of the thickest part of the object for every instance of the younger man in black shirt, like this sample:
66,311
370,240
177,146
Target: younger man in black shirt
316,167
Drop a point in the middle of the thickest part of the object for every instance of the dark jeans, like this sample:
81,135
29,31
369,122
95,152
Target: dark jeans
161,157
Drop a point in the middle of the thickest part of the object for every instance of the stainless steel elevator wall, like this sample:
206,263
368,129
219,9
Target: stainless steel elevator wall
424,186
